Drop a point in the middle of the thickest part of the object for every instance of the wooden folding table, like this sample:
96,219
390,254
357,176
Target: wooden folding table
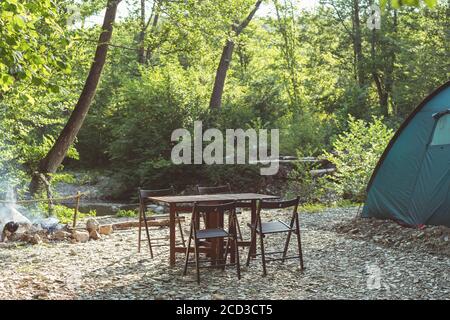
174,201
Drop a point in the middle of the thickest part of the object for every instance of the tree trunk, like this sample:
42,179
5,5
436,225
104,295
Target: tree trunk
382,73
150,49
221,74
357,44
389,82
225,60
383,96
288,51
57,153
141,37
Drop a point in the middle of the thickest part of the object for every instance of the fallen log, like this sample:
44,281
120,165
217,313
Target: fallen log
321,172
151,223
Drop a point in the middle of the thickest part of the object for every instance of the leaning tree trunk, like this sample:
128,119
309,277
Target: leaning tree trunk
225,60
221,74
58,152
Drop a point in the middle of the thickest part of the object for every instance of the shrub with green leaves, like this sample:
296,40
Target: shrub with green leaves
356,153
302,183
65,214
127,213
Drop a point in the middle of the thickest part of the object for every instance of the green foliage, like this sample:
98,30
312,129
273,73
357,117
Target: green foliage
294,71
127,213
356,152
413,3
65,214
320,207
30,30
301,182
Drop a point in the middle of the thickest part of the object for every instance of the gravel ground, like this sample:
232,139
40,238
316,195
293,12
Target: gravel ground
339,265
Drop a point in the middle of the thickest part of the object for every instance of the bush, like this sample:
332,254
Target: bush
127,213
356,153
301,183
65,214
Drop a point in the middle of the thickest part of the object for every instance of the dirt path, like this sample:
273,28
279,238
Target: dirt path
337,266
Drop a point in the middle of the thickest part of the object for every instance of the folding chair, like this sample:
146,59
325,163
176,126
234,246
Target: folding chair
196,235
143,203
225,189
262,229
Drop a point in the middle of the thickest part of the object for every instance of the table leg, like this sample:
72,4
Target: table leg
214,220
172,234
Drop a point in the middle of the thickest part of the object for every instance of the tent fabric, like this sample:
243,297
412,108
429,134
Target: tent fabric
411,182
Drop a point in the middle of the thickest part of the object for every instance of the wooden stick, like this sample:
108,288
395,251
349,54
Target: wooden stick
41,200
77,204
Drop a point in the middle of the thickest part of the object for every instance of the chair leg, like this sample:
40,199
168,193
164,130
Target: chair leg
140,229
239,230
252,246
181,229
187,252
148,233
238,264
299,242
204,219
288,239
227,248
197,267
263,256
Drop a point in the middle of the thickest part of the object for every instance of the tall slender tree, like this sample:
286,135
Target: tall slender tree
50,163
383,67
357,44
287,27
225,60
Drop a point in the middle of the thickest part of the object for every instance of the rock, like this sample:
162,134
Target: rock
61,235
92,225
94,235
80,235
159,209
35,239
106,229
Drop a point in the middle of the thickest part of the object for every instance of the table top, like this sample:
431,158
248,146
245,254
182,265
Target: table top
213,197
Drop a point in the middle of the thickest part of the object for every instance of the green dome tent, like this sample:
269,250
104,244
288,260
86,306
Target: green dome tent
411,182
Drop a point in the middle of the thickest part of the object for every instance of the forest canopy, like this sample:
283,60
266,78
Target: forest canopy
231,63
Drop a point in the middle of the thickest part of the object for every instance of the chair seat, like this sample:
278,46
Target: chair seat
273,227
211,233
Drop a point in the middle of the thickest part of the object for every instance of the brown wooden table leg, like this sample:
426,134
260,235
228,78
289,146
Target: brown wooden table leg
215,220
172,234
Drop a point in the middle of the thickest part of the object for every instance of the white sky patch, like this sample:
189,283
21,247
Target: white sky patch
124,9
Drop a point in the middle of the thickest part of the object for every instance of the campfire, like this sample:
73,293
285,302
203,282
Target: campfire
17,224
